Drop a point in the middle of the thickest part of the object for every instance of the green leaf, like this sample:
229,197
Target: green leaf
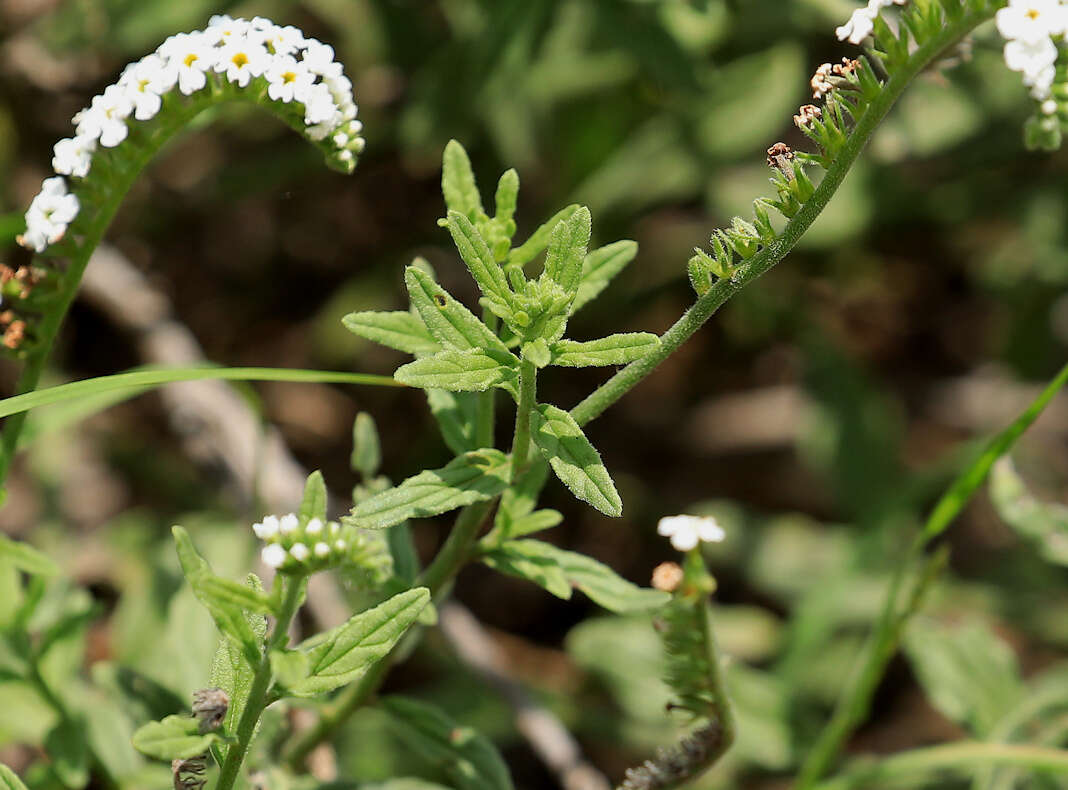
539,239
341,655
456,414
611,350
567,251
404,783
174,738
480,261
9,780
458,182
537,352
366,448
313,503
507,196
574,460
600,267
532,560
143,379
228,615
26,558
461,371
449,322
402,549
290,667
534,522
400,330
973,476
558,571
473,477
231,669
1046,524
66,747
522,497
968,672
469,759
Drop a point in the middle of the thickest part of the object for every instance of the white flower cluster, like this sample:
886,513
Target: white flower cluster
292,545
293,68
862,22
687,531
1030,27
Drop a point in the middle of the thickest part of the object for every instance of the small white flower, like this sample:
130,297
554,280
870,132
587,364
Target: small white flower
283,40
145,82
105,118
267,528
241,59
319,106
273,555
687,531
48,215
1049,107
315,526
321,549
857,28
222,29
1031,21
319,59
287,80
189,56
73,155
340,545
288,524
300,552
1031,58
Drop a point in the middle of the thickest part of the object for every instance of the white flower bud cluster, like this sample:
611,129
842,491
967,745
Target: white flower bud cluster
1030,28
687,531
862,22
279,61
308,547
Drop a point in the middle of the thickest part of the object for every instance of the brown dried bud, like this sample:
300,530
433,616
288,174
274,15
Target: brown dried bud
806,115
189,774
846,67
779,156
667,576
821,81
210,706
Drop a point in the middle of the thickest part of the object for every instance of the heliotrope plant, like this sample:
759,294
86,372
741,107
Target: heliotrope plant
462,358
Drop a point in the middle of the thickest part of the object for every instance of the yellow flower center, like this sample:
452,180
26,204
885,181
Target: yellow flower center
190,59
289,77
240,59
1033,13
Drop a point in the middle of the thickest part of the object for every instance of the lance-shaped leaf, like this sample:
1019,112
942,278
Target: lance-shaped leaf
1044,523
558,571
506,197
366,446
174,738
26,558
341,655
313,503
539,239
612,350
66,747
461,371
469,759
225,604
476,254
567,251
473,477
573,458
230,668
458,182
600,267
456,414
449,322
400,330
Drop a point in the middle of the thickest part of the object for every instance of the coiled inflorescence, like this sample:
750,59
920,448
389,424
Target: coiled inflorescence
267,62
300,546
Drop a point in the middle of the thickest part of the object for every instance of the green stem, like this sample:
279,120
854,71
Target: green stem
961,758
528,396
703,309
261,682
437,577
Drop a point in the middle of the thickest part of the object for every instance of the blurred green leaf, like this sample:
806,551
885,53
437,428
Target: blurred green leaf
174,738
26,558
314,502
9,780
1045,524
66,747
366,447
470,760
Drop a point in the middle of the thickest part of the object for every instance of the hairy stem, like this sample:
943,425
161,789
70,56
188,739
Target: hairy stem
528,393
293,593
437,577
961,758
703,309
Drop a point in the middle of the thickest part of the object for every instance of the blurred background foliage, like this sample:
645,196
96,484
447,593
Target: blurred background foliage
817,415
